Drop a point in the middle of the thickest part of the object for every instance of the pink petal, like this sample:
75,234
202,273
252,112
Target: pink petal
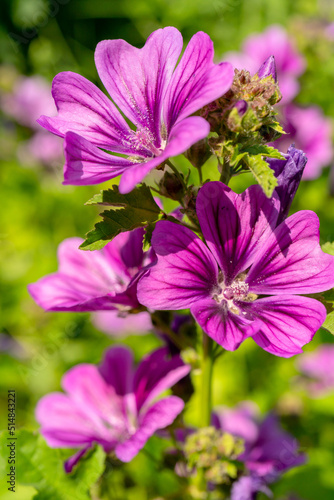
288,323
291,260
84,109
185,272
85,164
137,79
160,415
235,226
117,369
197,81
227,329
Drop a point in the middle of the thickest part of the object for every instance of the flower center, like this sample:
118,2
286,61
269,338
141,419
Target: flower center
144,142
230,295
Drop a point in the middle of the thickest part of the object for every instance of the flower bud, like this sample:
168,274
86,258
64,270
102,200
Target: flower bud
199,153
171,186
268,68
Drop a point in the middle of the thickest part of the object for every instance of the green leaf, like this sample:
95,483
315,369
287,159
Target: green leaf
328,247
329,323
42,467
130,211
264,175
264,150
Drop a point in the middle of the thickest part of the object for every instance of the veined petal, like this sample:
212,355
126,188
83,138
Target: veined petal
235,226
196,80
117,369
182,136
288,323
156,373
85,164
185,272
136,79
291,261
226,328
84,109
158,416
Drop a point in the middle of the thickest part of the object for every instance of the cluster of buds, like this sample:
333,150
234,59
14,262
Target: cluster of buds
247,108
215,453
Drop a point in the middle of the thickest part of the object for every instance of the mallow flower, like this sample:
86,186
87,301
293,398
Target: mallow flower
246,278
99,280
113,404
269,450
154,95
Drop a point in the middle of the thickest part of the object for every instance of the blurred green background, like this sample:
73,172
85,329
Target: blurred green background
40,37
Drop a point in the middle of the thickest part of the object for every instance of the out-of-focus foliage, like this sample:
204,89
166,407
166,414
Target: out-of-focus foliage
44,37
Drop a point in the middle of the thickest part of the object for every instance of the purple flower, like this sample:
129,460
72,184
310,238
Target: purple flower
248,487
157,98
244,281
269,450
92,281
274,41
288,173
311,131
318,369
112,404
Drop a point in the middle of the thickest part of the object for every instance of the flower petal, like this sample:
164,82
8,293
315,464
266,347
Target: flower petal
136,79
156,373
227,329
85,164
117,369
288,323
182,136
185,271
115,324
197,81
84,109
160,415
234,226
291,260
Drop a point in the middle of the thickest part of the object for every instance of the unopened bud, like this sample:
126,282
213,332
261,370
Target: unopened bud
171,186
199,153
268,68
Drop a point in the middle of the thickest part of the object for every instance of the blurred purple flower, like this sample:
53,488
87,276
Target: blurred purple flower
318,369
93,281
310,131
31,97
151,93
269,450
274,41
112,404
247,257
118,324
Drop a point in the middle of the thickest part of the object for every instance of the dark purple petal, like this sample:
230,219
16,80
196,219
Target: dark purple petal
197,81
181,137
132,250
185,271
235,226
84,109
74,459
288,173
137,79
117,369
160,415
288,323
156,373
85,164
291,261
226,328
268,68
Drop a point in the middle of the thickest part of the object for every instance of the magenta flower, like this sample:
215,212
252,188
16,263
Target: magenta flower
246,280
92,281
318,370
311,131
157,98
269,450
112,405
274,41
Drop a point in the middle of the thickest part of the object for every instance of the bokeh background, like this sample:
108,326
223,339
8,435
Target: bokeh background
41,38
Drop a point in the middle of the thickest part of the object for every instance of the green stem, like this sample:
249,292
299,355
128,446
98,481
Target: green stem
206,388
200,175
